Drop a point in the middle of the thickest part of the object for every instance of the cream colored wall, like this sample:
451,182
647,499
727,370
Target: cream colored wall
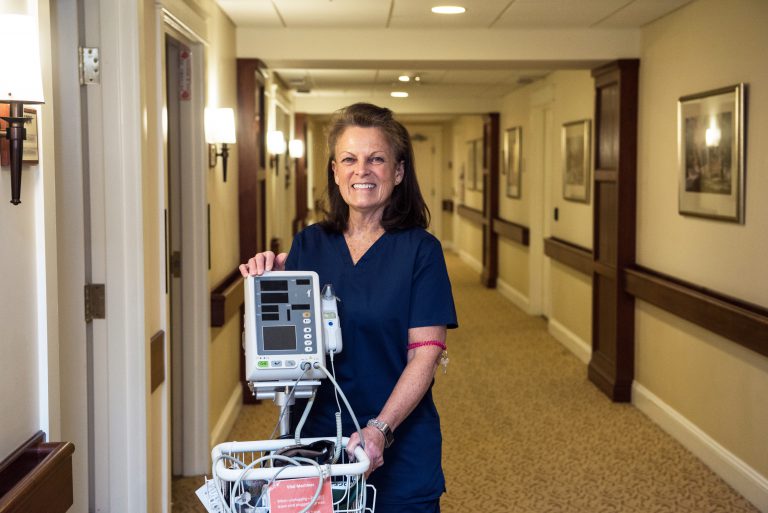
705,45
221,91
574,100
571,303
468,237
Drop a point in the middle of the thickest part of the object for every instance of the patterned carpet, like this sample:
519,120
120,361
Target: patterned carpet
525,431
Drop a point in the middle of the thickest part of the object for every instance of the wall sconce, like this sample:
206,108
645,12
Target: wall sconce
296,148
219,129
21,83
276,146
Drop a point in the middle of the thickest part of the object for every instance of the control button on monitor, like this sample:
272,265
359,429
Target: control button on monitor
262,364
277,363
307,336
307,342
290,363
307,330
306,314
307,321
307,349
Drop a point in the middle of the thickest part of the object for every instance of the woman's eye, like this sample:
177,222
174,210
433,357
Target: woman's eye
347,160
377,160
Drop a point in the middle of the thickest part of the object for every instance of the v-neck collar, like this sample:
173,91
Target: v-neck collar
347,255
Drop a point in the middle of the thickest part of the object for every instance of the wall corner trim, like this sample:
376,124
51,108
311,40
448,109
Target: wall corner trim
228,417
734,471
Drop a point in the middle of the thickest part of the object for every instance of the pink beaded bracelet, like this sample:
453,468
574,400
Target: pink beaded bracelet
438,343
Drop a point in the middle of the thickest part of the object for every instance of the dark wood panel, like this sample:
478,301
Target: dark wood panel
300,133
613,323
734,319
575,257
471,214
37,477
226,299
512,231
250,153
157,360
491,152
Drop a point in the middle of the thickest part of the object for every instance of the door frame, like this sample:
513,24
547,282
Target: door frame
194,211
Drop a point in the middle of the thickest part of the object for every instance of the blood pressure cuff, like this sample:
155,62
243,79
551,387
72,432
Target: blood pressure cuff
320,452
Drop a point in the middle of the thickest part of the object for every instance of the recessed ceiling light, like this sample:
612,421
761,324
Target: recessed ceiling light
448,9
398,94
404,78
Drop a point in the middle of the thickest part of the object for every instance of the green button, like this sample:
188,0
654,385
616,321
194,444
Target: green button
263,364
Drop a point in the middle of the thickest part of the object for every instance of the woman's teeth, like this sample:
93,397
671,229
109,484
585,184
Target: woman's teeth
363,186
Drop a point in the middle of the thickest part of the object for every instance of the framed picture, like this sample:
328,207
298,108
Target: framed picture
711,154
479,168
512,160
577,160
469,176
5,144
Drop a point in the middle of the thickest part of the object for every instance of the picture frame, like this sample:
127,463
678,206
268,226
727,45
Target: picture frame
479,167
711,154
511,164
577,160
30,151
470,166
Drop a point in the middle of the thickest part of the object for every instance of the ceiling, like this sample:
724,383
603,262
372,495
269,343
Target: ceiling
401,18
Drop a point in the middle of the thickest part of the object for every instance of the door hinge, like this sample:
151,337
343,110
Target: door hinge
176,264
90,66
95,306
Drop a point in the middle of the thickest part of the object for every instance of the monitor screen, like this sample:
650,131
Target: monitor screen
279,338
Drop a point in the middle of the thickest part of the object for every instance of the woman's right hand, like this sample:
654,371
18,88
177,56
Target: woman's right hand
261,262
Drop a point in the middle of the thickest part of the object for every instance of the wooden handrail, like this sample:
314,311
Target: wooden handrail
734,319
37,477
512,231
569,254
226,299
471,214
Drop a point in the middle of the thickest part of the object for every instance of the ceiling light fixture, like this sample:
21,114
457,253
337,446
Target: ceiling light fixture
398,94
404,78
449,9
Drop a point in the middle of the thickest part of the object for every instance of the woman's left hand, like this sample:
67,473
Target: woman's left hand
374,447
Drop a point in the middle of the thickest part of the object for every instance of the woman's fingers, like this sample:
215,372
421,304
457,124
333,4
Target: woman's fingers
263,262
374,447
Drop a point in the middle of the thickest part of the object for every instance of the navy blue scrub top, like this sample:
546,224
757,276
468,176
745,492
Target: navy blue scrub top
400,283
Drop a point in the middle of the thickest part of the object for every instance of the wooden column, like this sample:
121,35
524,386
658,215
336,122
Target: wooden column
612,365
490,198
250,147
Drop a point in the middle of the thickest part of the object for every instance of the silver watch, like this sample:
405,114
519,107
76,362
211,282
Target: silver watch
385,430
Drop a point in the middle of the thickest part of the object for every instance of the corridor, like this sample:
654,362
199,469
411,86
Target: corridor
525,431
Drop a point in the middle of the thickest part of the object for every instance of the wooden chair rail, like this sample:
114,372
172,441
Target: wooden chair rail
569,254
226,299
734,319
512,231
471,214
37,477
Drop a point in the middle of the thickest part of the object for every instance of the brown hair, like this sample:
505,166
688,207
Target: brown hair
406,208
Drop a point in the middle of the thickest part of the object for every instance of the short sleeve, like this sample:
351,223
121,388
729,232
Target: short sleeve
431,296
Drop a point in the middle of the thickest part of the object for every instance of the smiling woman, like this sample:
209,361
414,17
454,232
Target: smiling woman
395,305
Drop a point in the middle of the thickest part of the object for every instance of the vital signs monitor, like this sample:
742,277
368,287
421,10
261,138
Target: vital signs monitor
286,323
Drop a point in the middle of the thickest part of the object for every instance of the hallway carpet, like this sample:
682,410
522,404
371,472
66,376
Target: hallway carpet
525,431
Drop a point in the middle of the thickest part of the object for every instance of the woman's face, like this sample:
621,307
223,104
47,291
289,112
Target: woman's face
365,169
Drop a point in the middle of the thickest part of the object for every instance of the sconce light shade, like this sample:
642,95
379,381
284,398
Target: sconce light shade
276,144
219,129
220,126
296,148
21,79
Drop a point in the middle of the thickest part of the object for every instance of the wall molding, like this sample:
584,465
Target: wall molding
569,254
516,297
579,347
741,322
227,298
737,473
228,417
472,215
511,231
